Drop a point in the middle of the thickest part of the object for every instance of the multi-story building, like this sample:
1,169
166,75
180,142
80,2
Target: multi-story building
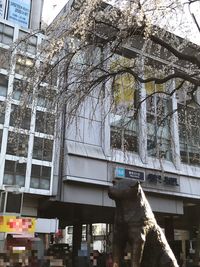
98,148
26,134
95,148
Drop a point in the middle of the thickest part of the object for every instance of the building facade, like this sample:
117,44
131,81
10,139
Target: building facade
71,183
164,157
26,126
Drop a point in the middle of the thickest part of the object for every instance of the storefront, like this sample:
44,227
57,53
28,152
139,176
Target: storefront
24,239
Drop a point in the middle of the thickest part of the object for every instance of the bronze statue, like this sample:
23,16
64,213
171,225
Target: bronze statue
136,225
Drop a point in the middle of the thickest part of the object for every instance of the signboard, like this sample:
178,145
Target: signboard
46,225
19,12
166,180
128,173
14,224
2,8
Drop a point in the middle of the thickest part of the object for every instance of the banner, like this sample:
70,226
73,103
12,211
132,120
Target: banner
19,12
2,8
14,224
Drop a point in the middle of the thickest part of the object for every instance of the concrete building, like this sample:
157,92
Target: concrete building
94,154
26,139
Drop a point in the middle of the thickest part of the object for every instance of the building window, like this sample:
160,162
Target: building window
40,177
158,107
44,122
22,91
19,15
3,85
20,117
2,112
1,135
123,122
123,138
158,127
17,144
6,34
24,65
49,73
4,58
46,98
28,43
14,173
42,149
189,134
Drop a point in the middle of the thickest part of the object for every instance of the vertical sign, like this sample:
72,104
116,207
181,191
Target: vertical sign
19,12
2,8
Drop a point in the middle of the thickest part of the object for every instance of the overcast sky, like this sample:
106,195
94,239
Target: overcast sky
52,8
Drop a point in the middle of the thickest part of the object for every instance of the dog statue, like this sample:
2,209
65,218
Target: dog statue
136,225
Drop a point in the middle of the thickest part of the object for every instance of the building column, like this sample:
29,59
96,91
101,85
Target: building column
169,231
175,144
169,228
142,125
76,242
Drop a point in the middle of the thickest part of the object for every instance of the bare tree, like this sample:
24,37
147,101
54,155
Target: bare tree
124,53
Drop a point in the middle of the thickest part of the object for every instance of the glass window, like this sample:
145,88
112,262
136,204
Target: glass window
158,107
28,43
24,65
1,135
2,112
3,85
45,122
158,127
46,98
49,73
6,34
17,144
189,132
42,149
22,91
20,117
40,177
14,173
123,135
4,58
19,12
123,122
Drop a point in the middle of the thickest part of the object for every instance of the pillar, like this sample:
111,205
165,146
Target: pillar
169,229
76,242
169,232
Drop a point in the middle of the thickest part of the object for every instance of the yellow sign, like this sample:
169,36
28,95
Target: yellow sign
15,224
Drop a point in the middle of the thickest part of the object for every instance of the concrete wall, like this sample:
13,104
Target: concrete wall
36,14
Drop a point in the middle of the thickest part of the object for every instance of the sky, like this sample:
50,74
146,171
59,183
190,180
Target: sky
52,8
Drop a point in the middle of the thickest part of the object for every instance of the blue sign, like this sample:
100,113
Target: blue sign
120,172
127,173
19,12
